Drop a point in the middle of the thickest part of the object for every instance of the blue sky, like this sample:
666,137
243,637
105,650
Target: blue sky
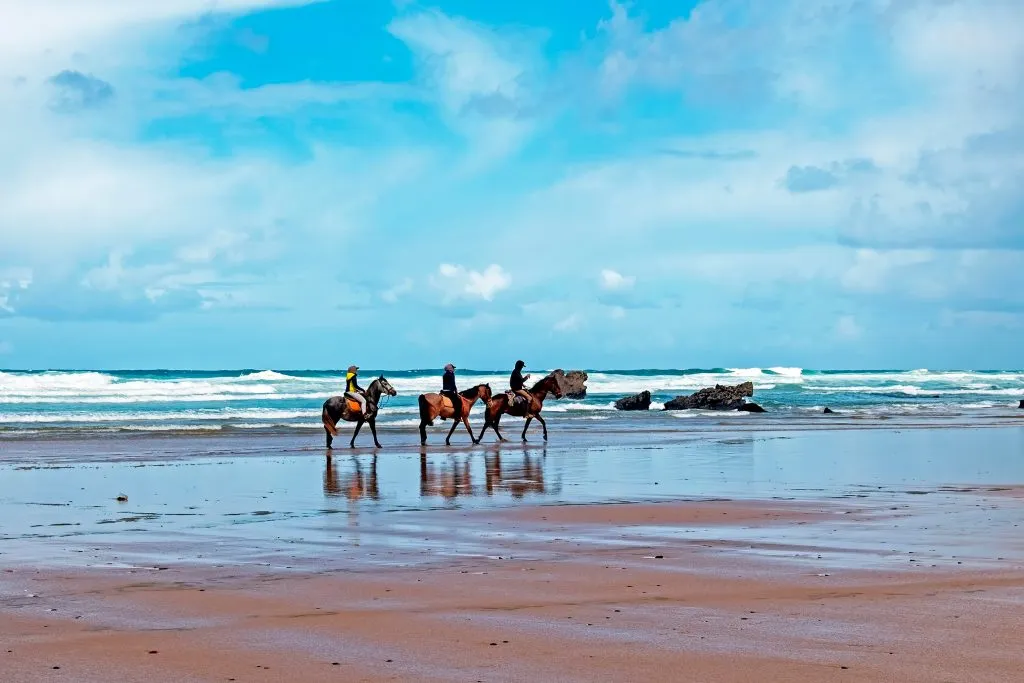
290,184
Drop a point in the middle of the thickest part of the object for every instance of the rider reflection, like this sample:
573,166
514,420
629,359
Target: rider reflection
354,484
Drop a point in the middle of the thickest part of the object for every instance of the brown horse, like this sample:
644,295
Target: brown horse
341,408
433,406
499,405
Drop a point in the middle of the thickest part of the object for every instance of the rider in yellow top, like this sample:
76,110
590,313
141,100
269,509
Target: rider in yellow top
352,388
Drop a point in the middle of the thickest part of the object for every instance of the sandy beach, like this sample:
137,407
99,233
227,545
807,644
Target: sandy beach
867,555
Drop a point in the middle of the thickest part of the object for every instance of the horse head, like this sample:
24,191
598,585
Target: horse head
484,392
386,386
551,384
556,382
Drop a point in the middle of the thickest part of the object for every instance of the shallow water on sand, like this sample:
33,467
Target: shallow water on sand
252,499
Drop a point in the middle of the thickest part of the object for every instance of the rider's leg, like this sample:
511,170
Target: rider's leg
358,398
456,405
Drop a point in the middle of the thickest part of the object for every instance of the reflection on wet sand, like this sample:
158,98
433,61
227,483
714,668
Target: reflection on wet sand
353,484
454,476
518,479
448,476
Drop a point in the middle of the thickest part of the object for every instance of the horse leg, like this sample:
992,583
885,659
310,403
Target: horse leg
465,421
359,425
529,419
448,441
423,433
483,429
497,421
544,425
330,439
373,430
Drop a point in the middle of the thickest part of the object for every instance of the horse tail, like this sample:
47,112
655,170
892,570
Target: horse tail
424,410
328,422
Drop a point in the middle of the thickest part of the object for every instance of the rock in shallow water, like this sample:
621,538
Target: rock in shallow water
719,397
641,401
751,408
1021,406
828,411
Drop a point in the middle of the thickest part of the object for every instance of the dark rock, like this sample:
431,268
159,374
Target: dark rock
719,397
751,408
828,411
1021,406
575,384
641,401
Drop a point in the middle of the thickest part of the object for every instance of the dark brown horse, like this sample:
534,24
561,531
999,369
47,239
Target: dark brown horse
338,408
500,405
433,406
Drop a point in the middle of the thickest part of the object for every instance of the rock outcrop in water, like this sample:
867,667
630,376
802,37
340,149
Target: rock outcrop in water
1021,406
574,384
719,397
641,401
751,408
828,411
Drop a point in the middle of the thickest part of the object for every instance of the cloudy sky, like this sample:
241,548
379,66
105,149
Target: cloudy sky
300,184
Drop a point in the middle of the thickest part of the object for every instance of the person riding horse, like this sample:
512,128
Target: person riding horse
352,388
517,384
449,390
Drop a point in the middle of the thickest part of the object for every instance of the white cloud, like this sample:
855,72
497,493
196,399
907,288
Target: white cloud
59,28
12,280
847,328
612,280
570,323
459,282
872,270
393,294
479,75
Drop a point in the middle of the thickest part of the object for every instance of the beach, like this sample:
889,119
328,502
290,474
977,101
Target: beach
831,551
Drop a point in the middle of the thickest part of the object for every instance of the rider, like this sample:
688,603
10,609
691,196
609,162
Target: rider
352,388
517,382
448,389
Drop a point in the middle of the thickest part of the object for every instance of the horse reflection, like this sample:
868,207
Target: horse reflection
518,479
452,479
454,476
354,484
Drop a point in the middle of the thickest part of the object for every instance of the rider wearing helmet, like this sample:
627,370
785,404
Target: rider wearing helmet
352,388
517,383
449,389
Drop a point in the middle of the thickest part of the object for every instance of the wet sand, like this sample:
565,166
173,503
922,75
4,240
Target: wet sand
860,556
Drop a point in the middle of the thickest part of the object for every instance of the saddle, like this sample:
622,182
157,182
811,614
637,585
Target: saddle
515,399
353,406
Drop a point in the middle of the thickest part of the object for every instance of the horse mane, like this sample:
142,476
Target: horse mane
541,381
469,393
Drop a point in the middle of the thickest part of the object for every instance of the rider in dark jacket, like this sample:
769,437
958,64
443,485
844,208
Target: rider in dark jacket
517,382
449,389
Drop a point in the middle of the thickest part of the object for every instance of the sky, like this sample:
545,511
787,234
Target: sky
657,184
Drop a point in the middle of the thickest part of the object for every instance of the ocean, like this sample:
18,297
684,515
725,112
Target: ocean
183,401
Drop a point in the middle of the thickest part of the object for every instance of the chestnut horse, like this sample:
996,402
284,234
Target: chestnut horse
341,408
499,405
433,406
